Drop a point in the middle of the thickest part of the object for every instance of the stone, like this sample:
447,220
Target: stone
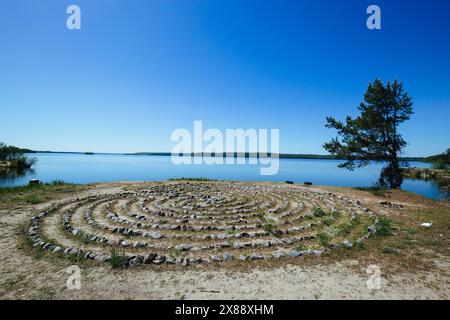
57,249
139,245
215,258
238,246
278,254
347,243
155,235
227,256
160,259
182,261
294,253
224,245
256,256
183,247
170,260
150,258
372,229
103,258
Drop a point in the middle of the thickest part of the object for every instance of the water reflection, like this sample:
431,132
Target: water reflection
442,187
13,174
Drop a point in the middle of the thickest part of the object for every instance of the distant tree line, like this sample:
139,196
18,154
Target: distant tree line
440,161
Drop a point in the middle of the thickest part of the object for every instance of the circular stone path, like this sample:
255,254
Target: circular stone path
201,222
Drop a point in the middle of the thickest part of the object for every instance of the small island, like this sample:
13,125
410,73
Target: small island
440,172
14,158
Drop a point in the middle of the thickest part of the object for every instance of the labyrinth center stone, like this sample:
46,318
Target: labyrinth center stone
202,222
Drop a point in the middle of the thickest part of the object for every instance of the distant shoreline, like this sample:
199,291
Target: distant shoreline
235,155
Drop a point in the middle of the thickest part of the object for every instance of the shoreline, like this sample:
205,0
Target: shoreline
225,155
368,189
440,176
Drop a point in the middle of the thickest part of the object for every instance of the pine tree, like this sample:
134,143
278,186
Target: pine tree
373,135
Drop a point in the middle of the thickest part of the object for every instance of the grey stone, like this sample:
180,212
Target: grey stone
155,235
256,256
372,229
139,244
224,245
183,247
160,259
150,258
170,260
347,243
182,261
227,256
196,260
57,249
278,254
294,253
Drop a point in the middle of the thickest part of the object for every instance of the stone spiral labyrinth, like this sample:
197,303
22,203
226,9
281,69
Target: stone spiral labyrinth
201,222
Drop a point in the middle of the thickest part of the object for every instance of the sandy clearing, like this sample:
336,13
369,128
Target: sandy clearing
25,277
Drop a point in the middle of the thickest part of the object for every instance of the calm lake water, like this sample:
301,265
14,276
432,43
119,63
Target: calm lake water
80,168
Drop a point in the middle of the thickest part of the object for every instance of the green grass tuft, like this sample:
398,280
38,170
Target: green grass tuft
118,260
268,227
345,229
324,239
34,199
327,222
375,190
389,250
384,227
318,212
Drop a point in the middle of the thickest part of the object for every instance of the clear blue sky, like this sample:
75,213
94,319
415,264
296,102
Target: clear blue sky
139,69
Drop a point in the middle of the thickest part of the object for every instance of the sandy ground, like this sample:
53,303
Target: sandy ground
24,276
336,281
